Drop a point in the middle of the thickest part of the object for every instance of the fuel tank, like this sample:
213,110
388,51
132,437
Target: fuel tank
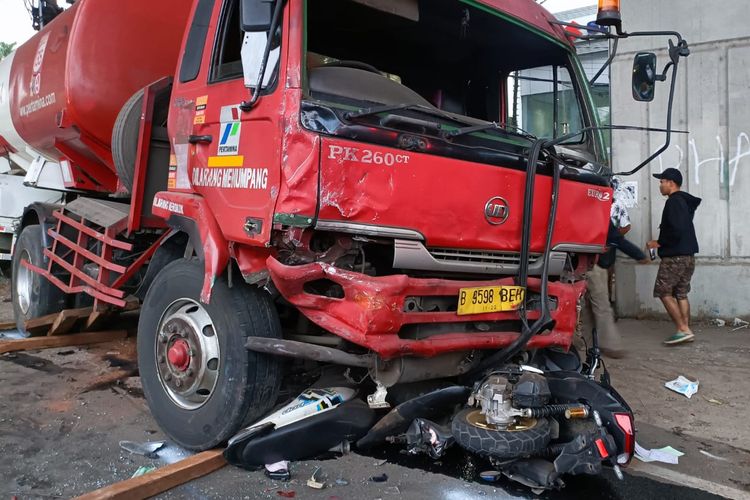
61,91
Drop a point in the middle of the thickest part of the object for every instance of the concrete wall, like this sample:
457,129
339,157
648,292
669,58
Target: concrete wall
712,102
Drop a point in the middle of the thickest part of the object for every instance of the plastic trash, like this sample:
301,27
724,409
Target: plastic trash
379,479
147,449
143,470
684,386
278,471
490,476
315,481
667,455
711,455
739,324
718,322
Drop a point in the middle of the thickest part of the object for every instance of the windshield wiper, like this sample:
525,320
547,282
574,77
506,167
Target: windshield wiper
399,107
488,126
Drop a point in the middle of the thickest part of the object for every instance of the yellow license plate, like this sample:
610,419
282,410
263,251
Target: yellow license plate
489,299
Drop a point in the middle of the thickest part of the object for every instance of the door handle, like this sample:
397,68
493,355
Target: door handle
200,139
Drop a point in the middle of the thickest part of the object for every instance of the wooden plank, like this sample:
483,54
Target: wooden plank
7,326
96,318
60,340
66,319
40,324
162,479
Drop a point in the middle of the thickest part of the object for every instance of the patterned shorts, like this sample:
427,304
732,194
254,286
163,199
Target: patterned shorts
673,278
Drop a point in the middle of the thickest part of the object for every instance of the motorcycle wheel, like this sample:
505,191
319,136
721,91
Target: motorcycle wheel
471,431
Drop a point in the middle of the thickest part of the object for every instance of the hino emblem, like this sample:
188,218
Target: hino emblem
496,210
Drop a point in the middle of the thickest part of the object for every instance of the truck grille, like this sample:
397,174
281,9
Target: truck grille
413,255
478,256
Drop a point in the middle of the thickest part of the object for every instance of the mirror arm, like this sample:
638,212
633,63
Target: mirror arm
607,63
669,122
248,105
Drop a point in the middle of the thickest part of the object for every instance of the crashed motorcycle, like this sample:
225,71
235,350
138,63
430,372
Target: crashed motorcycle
536,420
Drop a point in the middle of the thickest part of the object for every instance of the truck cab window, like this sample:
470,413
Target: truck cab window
234,48
227,60
444,63
543,101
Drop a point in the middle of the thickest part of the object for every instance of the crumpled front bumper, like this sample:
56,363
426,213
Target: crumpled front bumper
372,313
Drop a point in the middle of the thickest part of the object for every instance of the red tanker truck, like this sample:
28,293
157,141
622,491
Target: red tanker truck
394,202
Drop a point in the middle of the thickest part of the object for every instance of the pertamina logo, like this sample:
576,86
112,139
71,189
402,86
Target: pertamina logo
230,138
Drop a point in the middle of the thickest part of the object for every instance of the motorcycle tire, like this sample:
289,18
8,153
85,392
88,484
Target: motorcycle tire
506,444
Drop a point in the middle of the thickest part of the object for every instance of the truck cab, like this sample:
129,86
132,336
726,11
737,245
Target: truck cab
386,153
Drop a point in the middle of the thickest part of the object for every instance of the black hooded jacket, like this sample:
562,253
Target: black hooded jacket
676,232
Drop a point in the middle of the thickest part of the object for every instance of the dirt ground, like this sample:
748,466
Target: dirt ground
63,412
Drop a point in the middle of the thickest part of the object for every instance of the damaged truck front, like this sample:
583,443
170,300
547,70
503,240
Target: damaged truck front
392,202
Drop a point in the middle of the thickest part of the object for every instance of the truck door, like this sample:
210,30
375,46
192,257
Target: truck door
236,158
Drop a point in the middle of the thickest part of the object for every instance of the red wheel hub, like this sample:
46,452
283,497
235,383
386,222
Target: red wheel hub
179,355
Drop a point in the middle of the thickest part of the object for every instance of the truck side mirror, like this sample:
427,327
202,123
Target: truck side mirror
644,76
255,15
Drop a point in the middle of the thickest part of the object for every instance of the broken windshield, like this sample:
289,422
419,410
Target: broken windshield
374,59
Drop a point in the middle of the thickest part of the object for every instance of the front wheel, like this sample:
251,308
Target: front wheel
200,382
527,437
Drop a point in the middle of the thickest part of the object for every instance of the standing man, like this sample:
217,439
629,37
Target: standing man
677,246
597,279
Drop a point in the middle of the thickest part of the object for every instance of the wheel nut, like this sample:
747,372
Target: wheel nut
162,359
168,377
178,383
163,338
190,372
192,353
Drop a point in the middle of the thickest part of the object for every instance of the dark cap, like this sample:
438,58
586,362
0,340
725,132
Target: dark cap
671,174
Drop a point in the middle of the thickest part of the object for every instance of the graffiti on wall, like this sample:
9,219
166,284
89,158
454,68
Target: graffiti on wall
725,167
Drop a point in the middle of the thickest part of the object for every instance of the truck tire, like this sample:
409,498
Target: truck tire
32,295
201,384
125,138
489,442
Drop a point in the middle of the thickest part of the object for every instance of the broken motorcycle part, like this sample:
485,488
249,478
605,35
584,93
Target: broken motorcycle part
428,437
434,403
304,438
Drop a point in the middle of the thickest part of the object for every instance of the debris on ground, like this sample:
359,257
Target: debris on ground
315,481
379,479
380,463
287,493
490,476
739,324
147,449
143,470
713,401
718,322
667,455
278,471
342,482
711,455
172,453
683,386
